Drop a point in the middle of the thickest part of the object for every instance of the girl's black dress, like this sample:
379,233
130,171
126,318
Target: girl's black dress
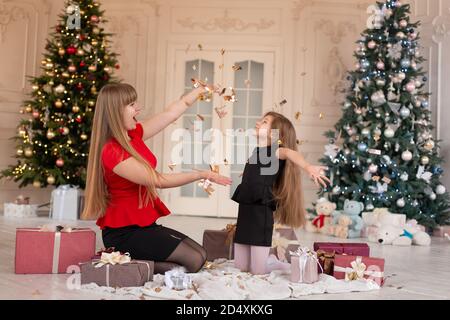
255,198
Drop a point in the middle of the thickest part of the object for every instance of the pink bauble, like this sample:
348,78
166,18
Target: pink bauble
403,23
413,36
398,4
410,86
372,44
380,65
59,162
357,66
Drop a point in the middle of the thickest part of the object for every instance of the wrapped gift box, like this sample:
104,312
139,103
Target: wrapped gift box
219,243
441,231
132,274
351,268
326,252
41,252
304,266
19,210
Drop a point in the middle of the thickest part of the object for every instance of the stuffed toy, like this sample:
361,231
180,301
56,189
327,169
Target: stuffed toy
352,209
398,236
382,216
341,229
322,222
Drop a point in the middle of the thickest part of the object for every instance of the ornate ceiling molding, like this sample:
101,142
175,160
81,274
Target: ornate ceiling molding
8,14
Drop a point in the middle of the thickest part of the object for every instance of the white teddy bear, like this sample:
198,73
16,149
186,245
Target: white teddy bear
382,216
403,236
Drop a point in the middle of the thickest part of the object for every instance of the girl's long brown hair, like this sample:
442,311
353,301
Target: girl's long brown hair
288,190
108,124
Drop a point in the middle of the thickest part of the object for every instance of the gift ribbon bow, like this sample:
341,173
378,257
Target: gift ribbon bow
358,270
327,259
112,258
319,221
304,254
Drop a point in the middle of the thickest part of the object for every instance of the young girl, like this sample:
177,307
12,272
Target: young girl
262,192
122,181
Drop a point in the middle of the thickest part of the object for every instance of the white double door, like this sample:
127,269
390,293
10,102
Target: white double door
190,145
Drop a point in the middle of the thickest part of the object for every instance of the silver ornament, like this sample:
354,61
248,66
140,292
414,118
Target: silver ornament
440,189
405,112
400,203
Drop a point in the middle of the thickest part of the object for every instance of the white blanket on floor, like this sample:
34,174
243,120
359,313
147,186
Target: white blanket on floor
225,282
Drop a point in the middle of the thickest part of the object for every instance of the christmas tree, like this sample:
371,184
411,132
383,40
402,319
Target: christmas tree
388,156
53,140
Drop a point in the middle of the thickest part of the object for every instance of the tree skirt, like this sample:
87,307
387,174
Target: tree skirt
222,281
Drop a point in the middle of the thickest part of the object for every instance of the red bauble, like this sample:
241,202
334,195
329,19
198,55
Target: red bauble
117,66
58,28
80,86
82,64
60,162
81,37
78,119
94,19
71,50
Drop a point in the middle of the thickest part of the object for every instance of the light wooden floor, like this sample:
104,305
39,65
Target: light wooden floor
414,272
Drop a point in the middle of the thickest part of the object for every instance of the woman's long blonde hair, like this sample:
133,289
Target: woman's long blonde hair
107,124
288,190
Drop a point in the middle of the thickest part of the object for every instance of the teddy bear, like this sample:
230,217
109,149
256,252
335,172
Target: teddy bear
382,216
322,222
341,229
352,209
403,236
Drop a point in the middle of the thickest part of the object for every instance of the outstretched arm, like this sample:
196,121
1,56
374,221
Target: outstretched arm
131,169
317,173
172,112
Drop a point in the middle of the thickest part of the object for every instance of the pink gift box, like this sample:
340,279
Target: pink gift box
440,231
43,252
356,249
304,269
350,268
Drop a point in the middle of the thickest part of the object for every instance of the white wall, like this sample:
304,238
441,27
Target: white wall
314,41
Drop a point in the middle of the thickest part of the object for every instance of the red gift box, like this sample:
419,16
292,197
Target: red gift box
357,267
42,252
355,249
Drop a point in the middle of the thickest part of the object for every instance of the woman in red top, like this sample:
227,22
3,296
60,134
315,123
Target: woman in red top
122,181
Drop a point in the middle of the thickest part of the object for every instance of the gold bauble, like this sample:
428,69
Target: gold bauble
61,51
94,42
69,141
19,152
22,132
50,134
93,90
96,30
424,160
49,65
28,109
80,52
75,109
51,180
36,184
91,103
43,62
58,103
51,82
65,74
28,152
83,136
34,87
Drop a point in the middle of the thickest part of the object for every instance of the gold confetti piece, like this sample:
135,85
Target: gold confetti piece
158,289
321,115
220,112
214,168
236,67
221,66
376,137
297,115
200,47
301,142
222,51
172,166
248,83
303,74
283,102
225,161
223,91
187,48
200,117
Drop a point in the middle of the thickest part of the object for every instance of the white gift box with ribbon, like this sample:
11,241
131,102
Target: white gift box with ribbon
64,203
19,210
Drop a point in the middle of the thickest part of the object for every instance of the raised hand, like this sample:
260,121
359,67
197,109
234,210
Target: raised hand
317,174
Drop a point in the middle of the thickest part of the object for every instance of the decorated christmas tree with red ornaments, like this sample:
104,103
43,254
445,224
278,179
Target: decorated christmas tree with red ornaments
53,136
382,151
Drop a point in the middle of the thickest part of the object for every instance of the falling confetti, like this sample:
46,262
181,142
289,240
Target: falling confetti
200,117
301,142
206,185
297,115
283,102
220,112
303,74
194,67
236,67
172,166
214,168
230,97
222,51
221,66
321,115
225,161
200,47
